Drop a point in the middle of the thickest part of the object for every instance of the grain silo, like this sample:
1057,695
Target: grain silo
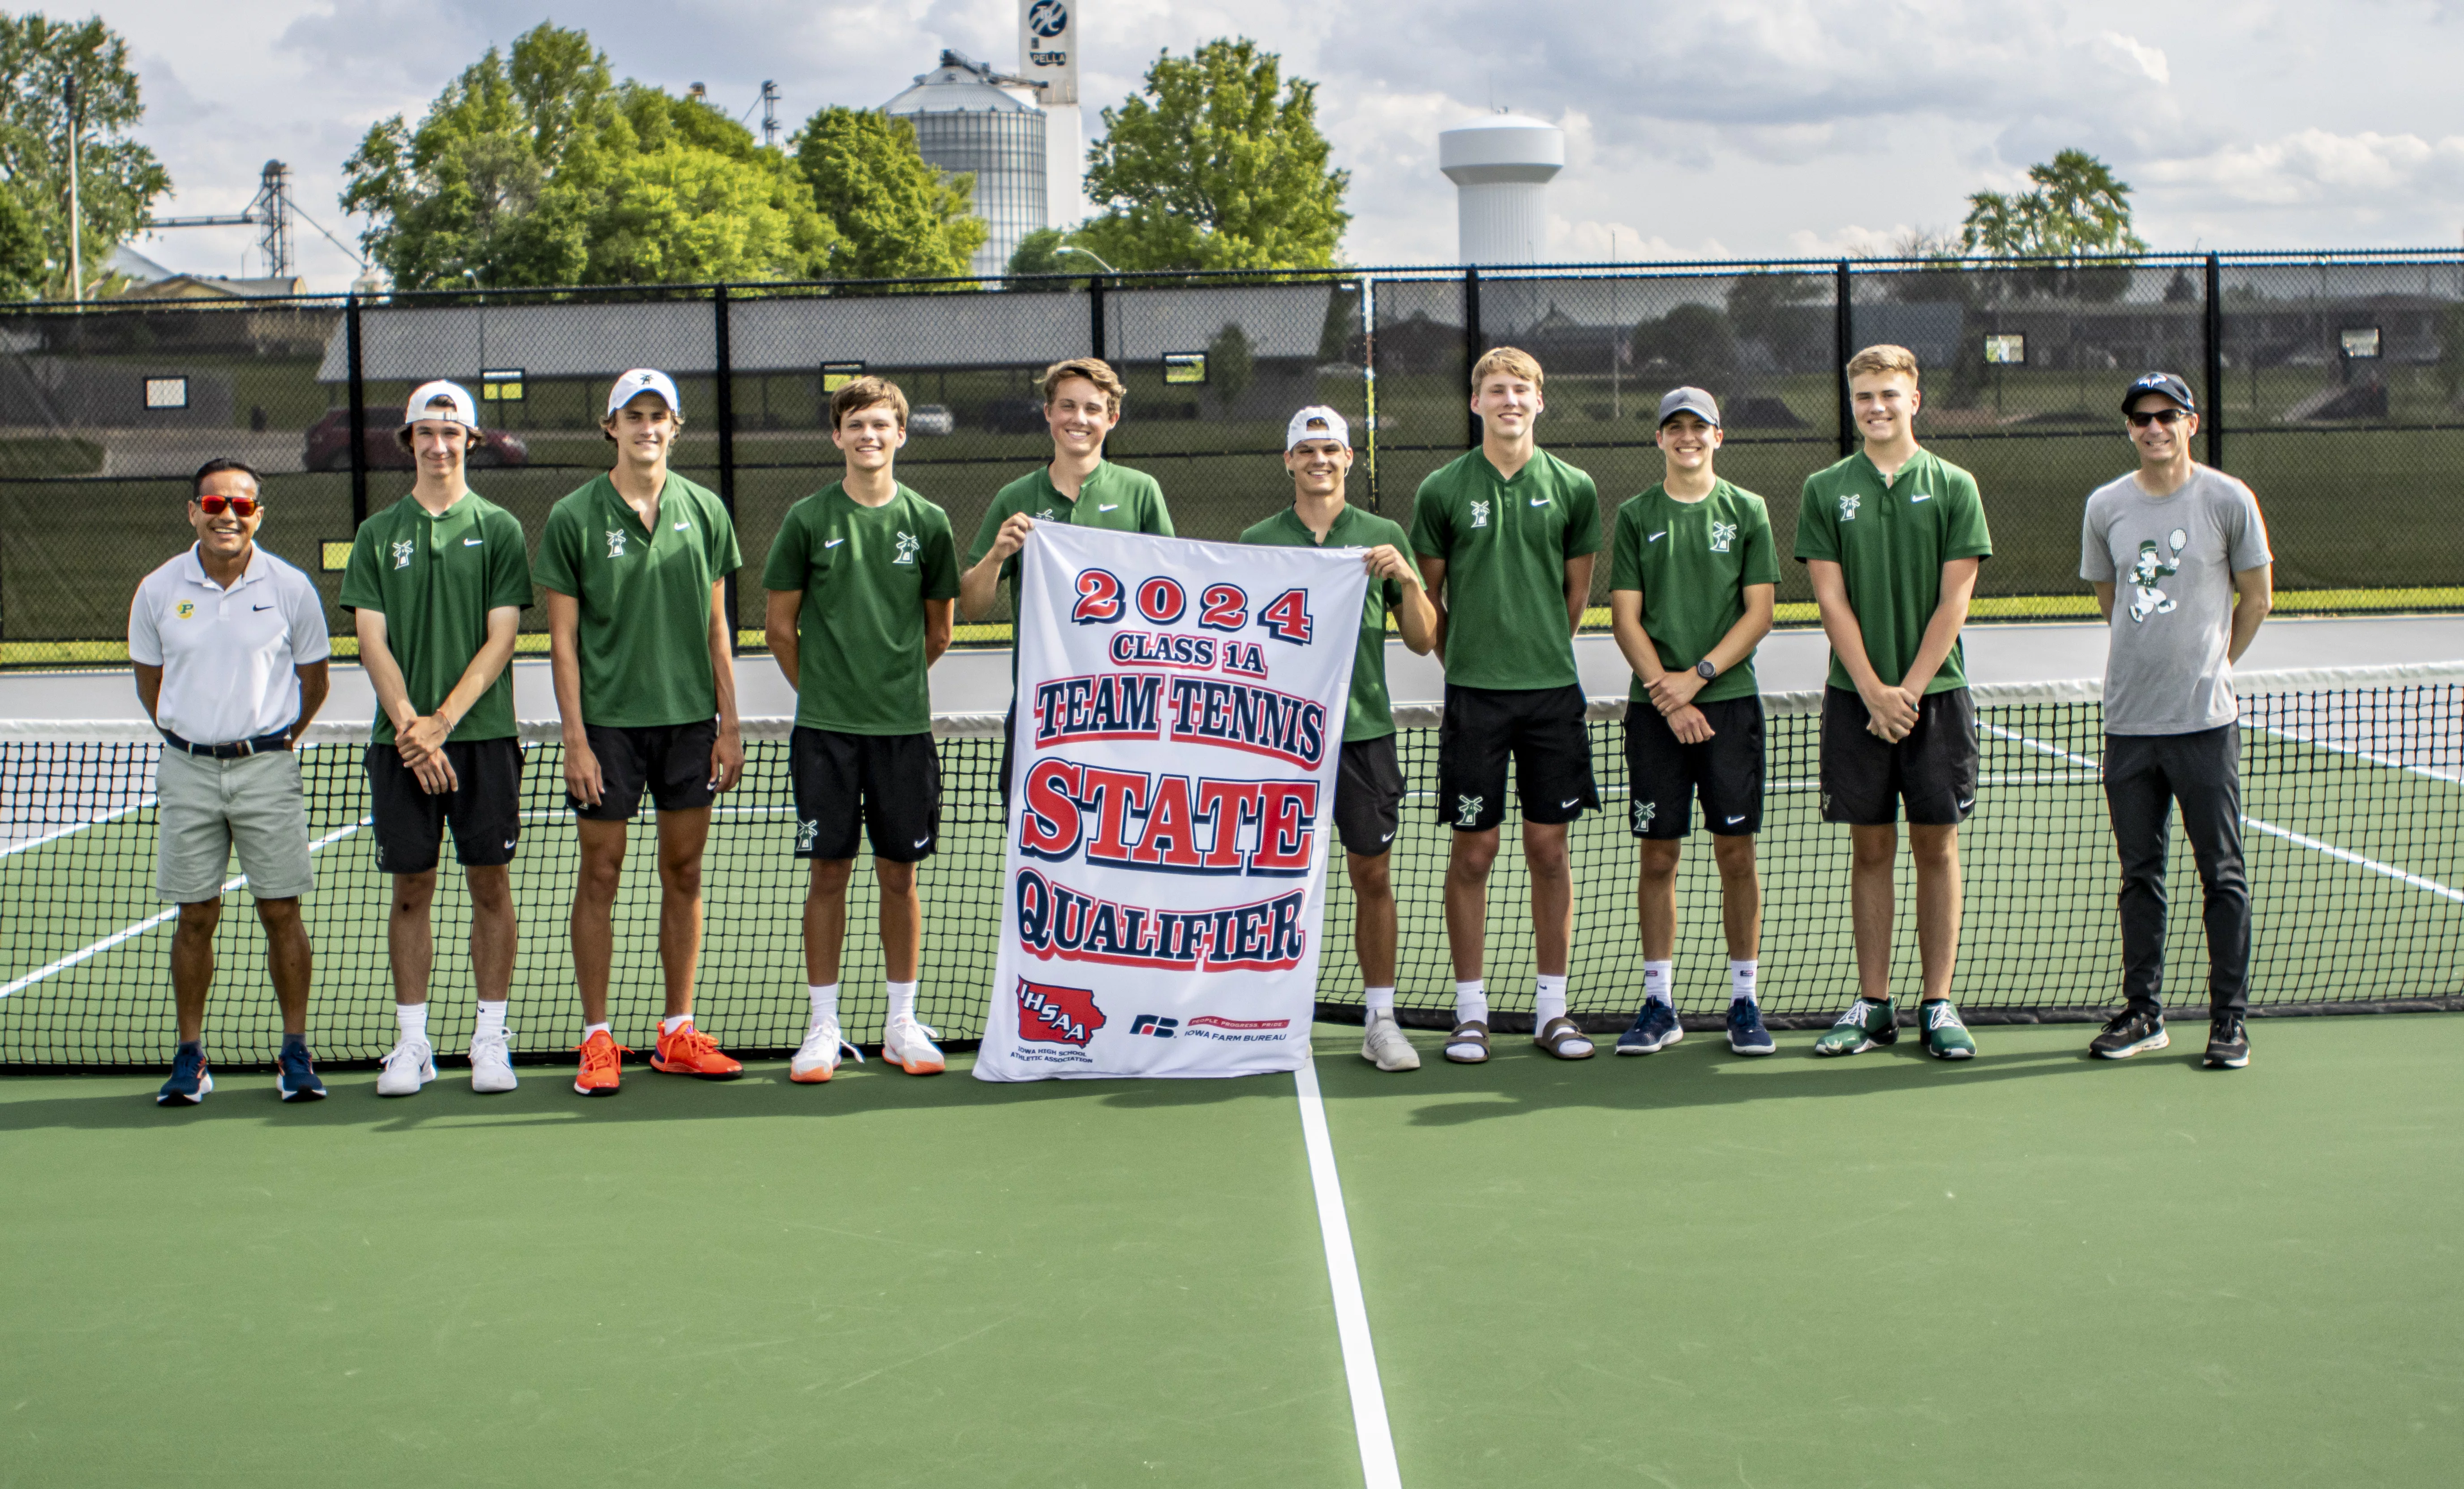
969,118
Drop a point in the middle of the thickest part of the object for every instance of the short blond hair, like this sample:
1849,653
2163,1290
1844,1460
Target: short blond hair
1885,358
1512,360
860,393
1094,369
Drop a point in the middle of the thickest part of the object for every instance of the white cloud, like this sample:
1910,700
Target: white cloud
2318,167
2130,55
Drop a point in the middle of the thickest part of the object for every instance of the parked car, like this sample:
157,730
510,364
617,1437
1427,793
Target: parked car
931,419
1015,416
329,446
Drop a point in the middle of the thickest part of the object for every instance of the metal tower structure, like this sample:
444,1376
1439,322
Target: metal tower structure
269,211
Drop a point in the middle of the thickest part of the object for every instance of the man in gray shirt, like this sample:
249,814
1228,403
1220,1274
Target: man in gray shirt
2177,553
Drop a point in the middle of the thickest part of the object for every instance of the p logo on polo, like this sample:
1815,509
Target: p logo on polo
401,552
615,542
1480,513
185,609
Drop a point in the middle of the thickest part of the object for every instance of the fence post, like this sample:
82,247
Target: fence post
1095,316
1471,340
724,395
359,411
1843,345
2214,392
1369,380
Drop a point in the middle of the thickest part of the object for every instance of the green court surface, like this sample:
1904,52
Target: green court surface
1687,1270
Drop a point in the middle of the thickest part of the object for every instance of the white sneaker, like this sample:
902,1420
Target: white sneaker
1384,1046
909,1045
491,1064
411,1066
817,1059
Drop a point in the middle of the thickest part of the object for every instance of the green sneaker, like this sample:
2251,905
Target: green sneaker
1867,1024
1946,1038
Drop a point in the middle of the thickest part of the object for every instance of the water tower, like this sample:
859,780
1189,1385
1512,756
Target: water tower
1501,166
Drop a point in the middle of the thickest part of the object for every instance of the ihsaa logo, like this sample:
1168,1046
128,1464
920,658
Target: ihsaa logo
1048,19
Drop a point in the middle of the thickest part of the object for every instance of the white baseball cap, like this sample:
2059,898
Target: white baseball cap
1330,427
459,406
640,380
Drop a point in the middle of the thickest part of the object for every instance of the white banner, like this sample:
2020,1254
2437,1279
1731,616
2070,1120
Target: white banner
1179,723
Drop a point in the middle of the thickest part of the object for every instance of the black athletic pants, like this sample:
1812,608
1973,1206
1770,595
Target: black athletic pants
2144,775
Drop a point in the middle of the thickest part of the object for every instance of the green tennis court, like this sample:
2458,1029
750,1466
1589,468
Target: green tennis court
1687,1270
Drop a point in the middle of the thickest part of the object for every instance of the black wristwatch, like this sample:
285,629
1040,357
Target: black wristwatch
1706,670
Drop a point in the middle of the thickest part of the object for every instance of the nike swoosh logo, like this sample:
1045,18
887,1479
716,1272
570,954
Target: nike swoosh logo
1965,805
1562,805
1389,838
1920,497
835,542
1539,501
260,607
1657,536
509,842
473,542
1733,821
921,842
682,528
1114,507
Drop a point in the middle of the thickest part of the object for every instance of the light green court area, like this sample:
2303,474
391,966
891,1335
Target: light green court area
1684,1270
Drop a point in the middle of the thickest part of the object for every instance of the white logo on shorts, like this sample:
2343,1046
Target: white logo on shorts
1468,810
1643,813
1480,513
615,542
1723,533
921,842
805,832
401,552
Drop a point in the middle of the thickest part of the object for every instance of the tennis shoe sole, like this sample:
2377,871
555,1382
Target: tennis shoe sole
2160,1040
1753,1051
1638,1047
205,1086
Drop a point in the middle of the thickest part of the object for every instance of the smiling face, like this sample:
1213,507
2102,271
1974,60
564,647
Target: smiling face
438,446
1507,405
1687,440
1080,415
1884,405
643,429
225,534
1318,466
2157,441
870,436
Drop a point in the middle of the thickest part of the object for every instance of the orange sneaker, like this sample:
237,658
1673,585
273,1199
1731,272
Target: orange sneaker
600,1058
690,1052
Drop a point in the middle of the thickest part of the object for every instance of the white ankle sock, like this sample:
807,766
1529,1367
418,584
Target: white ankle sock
826,1000
413,1019
1471,1002
1549,1002
672,1025
902,1002
1378,999
1659,981
589,1029
491,1019
1740,979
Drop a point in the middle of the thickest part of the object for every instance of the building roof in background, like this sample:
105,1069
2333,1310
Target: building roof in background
130,264
201,287
962,85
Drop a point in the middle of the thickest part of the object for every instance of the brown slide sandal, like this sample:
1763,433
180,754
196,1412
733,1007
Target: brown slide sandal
1560,1037
1468,1044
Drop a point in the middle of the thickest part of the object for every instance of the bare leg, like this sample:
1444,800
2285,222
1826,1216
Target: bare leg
1741,896
681,835
1936,851
494,931
902,920
1373,932
1655,898
1553,895
288,957
410,946
1874,850
825,918
192,964
1467,861
594,903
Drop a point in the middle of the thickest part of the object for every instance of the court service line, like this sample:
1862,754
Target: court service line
1351,1314
131,932
2301,840
73,828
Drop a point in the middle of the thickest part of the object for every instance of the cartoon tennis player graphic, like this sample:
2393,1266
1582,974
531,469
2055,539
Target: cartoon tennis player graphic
2151,568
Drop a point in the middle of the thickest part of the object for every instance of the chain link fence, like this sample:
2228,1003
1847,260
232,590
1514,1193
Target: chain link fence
2332,385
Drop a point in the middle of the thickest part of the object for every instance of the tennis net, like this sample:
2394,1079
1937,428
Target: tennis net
2353,786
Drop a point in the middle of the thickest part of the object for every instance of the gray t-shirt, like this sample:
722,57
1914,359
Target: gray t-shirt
2171,560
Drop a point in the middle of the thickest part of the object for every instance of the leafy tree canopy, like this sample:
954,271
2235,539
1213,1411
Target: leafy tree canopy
117,179
2078,208
1218,164
535,168
896,215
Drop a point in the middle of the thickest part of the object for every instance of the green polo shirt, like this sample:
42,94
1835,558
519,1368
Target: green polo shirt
1371,714
435,578
644,596
865,573
1891,540
1691,561
1506,545
1113,497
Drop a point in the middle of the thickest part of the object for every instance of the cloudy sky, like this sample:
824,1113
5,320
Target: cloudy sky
1756,127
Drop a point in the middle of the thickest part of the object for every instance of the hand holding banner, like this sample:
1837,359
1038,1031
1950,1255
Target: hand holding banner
1179,724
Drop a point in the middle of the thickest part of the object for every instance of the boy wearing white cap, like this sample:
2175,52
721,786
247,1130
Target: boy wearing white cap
1368,786
634,566
437,584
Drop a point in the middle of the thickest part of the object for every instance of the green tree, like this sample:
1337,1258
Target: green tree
2078,208
117,179
896,215
536,168
1231,364
1039,252
1219,165
1692,341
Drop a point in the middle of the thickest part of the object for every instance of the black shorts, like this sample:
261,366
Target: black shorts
1368,797
1541,728
1664,774
485,806
1933,770
670,761
889,783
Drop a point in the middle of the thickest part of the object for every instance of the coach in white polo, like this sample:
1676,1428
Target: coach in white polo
230,647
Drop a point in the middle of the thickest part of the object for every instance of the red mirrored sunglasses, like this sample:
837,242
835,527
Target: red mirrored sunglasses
240,506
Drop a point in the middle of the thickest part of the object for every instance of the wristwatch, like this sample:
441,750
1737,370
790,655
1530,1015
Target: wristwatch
1706,670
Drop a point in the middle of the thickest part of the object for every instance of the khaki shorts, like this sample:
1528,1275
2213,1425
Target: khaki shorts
205,809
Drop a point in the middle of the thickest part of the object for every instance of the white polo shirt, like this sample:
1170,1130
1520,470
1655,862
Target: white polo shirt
227,655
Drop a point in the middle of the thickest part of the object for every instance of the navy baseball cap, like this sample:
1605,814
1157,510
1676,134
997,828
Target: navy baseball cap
2164,383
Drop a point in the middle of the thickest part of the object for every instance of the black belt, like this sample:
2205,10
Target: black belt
280,739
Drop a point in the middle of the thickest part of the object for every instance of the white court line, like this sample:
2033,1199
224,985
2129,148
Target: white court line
2342,855
2426,771
131,932
75,828
1351,1315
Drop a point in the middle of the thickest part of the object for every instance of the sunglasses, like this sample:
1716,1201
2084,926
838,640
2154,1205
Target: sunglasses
2165,416
239,506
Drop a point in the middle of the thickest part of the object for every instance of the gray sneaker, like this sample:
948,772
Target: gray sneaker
1383,1045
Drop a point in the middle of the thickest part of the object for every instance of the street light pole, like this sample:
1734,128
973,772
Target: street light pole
1073,247
76,216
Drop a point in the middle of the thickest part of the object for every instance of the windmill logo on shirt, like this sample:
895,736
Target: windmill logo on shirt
1480,513
615,542
1849,501
907,547
401,552
1045,515
1723,533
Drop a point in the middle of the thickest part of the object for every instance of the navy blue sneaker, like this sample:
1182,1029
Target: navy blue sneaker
1655,1029
189,1081
297,1082
1746,1034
